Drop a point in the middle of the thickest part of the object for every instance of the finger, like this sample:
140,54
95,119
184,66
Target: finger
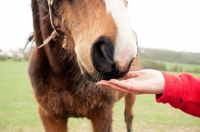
114,82
122,83
102,82
115,87
131,74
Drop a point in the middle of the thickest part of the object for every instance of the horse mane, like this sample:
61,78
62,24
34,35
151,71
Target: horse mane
49,36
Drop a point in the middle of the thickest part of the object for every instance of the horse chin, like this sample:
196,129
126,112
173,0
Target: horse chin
99,75
91,77
95,77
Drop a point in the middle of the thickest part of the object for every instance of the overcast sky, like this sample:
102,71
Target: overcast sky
165,24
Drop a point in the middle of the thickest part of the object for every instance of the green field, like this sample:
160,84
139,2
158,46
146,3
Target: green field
18,109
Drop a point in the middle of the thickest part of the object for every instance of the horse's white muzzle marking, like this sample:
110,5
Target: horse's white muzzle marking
126,45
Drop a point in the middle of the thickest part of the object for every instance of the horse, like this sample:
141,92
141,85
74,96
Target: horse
78,43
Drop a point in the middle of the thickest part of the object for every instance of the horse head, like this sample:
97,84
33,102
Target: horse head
101,33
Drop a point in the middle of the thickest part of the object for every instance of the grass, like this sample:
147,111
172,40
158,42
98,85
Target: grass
18,109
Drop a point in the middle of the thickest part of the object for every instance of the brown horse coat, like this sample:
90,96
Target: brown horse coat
59,86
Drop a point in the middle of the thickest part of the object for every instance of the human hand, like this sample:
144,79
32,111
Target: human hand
138,82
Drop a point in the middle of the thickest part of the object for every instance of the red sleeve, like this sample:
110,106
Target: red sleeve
181,92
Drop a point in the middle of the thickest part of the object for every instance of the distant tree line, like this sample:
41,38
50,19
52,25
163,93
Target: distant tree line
171,56
16,55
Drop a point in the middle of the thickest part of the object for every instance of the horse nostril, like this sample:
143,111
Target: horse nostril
102,53
102,57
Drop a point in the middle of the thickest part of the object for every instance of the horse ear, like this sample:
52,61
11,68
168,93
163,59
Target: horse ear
43,4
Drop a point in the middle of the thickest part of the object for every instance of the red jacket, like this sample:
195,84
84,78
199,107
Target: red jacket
182,92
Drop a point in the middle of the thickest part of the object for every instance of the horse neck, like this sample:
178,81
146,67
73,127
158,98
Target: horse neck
59,58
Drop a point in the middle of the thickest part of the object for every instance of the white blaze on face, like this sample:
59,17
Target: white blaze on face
126,47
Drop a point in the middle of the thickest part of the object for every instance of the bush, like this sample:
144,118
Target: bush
196,70
174,68
3,57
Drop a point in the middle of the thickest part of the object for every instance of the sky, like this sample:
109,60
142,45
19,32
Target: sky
161,24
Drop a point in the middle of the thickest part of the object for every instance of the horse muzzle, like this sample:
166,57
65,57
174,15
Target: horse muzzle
102,57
